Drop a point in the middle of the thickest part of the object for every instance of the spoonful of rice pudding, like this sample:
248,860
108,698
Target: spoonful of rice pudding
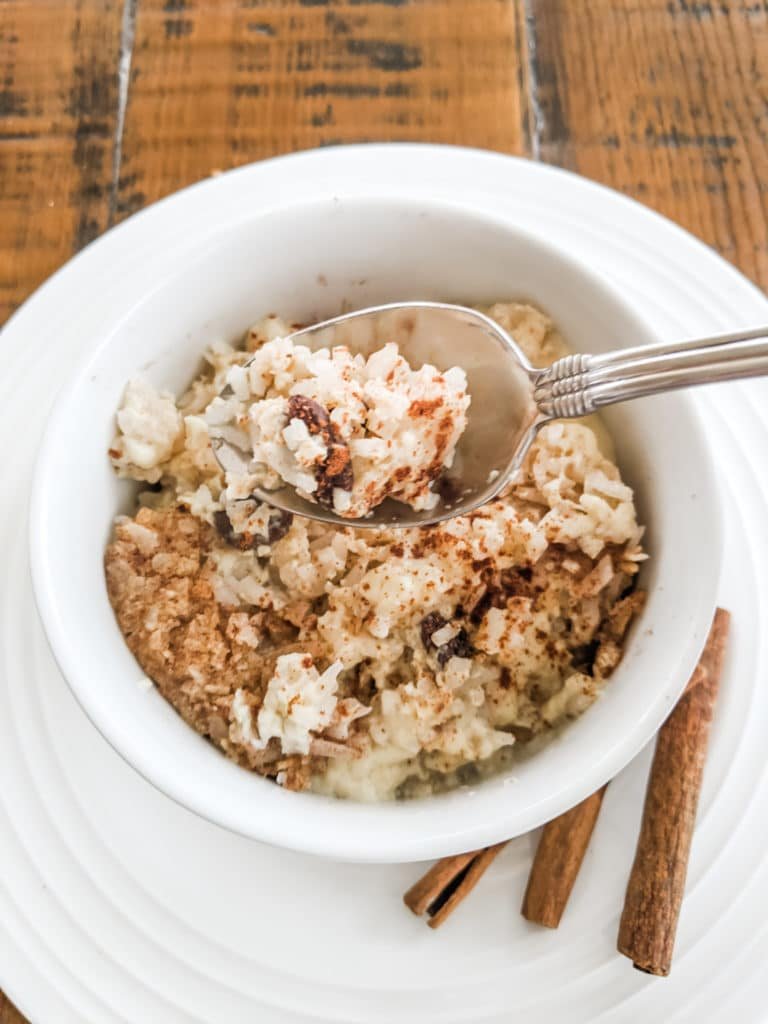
411,413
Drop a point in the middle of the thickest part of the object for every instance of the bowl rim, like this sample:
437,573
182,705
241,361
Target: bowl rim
400,848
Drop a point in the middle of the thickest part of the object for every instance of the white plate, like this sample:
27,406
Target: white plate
118,905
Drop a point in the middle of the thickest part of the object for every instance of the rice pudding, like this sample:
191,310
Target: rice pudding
370,664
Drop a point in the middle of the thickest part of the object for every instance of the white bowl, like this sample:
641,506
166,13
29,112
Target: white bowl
307,261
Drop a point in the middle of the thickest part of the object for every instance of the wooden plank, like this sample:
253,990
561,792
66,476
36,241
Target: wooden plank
58,102
664,100
217,83
8,1013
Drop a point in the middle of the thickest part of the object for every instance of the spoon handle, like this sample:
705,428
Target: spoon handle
580,384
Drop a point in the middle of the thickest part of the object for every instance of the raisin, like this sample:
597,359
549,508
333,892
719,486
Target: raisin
483,603
458,647
224,527
517,582
315,417
278,525
336,470
429,625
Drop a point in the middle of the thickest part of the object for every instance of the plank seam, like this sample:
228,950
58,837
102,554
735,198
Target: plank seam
532,80
127,37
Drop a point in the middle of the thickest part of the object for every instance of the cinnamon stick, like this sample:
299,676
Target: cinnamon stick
657,880
558,858
447,883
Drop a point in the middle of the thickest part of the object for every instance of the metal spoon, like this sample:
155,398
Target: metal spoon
511,400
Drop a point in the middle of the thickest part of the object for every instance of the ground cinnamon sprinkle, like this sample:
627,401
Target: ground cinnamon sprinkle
422,407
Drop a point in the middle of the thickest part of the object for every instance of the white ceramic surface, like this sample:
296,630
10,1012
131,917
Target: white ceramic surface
310,260
119,907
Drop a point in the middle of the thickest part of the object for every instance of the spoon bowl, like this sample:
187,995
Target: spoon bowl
510,399
501,419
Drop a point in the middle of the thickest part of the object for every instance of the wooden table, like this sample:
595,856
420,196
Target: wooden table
106,105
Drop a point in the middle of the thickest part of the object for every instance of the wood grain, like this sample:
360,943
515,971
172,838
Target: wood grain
217,84
58,104
8,1013
666,101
